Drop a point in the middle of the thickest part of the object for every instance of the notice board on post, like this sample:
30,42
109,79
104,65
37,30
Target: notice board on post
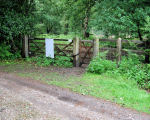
49,47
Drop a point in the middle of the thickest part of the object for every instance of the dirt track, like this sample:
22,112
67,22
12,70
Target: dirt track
26,99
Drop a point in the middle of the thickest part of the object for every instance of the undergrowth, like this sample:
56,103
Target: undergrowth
130,67
7,54
61,61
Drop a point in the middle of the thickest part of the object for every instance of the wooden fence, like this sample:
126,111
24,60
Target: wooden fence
118,51
80,51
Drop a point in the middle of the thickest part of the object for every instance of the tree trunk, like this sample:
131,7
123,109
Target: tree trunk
48,30
147,56
86,22
66,29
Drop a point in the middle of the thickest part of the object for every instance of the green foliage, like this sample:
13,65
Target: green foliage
63,61
147,24
4,51
78,15
6,54
41,61
99,65
60,61
48,13
131,67
121,18
16,20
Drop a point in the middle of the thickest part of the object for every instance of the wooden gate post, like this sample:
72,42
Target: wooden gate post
76,47
25,47
96,47
119,48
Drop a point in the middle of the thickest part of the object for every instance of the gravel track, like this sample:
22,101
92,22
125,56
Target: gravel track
26,99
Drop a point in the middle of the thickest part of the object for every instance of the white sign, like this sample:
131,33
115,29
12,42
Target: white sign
49,47
70,40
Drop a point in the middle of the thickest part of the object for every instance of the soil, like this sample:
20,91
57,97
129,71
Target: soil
75,71
27,99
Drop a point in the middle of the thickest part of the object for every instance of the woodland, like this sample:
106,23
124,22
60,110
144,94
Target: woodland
127,84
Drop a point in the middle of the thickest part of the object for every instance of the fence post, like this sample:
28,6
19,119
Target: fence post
96,47
119,48
76,47
25,46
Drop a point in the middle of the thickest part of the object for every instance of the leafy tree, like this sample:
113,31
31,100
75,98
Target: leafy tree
49,14
79,13
123,18
15,21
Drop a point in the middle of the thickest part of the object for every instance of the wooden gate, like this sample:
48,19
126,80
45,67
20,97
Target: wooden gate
86,51
80,51
63,47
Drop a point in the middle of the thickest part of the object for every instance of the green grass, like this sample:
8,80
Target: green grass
117,89
11,62
114,88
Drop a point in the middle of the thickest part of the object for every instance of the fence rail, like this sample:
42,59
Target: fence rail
123,41
80,50
44,39
118,49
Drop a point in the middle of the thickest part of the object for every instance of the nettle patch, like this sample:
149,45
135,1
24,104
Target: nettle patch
61,61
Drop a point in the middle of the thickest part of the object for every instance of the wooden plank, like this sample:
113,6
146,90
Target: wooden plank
60,51
38,42
88,41
67,45
68,50
123,41
44,39
135,51
107,48
32,39
62,44
126,50
132,41
61,39
38,48
41,52
107,40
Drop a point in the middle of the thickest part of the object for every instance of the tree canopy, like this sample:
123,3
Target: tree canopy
122,18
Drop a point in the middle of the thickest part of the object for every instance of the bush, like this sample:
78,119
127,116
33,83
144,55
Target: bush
5,52
99,65
139,72
130,67
63,61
